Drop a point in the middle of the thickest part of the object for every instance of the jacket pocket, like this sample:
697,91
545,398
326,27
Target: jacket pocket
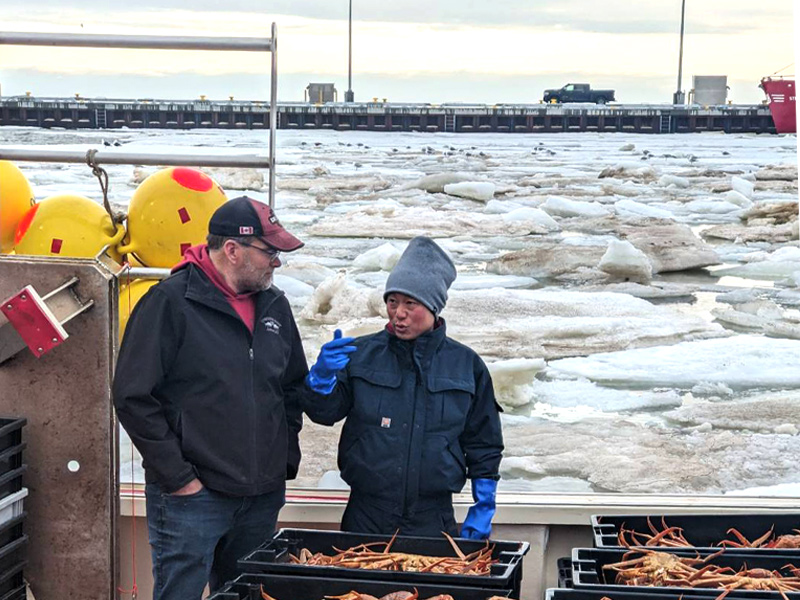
449,401
443,467
372,392
369,463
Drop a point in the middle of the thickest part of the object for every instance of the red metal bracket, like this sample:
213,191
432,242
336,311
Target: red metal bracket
33,321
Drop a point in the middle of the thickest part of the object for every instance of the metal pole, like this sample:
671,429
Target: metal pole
145,273
109,157
348,95
136,41
273,114
679,96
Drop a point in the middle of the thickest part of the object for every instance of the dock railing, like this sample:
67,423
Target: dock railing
157,43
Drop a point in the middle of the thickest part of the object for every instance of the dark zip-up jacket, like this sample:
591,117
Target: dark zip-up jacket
421,417
200,396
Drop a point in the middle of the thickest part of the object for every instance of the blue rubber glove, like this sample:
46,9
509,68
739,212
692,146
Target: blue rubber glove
478,524
333,357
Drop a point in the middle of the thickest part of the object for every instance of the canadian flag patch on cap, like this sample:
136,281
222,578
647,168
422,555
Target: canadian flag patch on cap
243,230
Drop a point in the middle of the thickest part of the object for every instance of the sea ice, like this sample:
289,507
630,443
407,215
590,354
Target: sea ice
406,223
436,181
482,191
744,187
674,180
501,206
571,393
382,258
512,379
739,362
533,215
296,291
624,261
627,208
564,207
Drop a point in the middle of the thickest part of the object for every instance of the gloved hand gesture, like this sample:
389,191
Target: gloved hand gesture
333,357
478,524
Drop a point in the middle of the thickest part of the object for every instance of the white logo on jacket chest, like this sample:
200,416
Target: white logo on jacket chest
272,325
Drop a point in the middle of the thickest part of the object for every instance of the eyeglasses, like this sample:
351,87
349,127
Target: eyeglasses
273,254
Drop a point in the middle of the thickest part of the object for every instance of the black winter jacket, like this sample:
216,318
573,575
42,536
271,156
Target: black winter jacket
421,417
200,396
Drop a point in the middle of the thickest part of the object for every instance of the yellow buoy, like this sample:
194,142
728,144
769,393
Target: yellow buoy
169,213
67,225
16,198
129,295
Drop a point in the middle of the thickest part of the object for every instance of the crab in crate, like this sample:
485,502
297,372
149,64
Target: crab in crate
662,569
768,540
656,568
399,595
667,536
673,537
364,557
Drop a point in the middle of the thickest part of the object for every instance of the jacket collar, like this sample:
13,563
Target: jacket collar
425,346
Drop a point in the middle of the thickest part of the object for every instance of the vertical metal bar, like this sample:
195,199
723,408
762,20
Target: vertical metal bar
350,49
680,55
273,114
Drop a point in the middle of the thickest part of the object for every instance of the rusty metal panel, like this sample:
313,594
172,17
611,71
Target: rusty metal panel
65,395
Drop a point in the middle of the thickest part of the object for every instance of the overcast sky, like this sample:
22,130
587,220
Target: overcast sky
407,50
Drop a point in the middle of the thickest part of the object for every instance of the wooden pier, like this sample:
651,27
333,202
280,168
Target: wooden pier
97,113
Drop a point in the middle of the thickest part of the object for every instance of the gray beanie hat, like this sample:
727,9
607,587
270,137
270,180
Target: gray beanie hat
423,272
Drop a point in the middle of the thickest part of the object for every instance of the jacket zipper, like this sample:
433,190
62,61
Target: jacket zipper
417,389
255,468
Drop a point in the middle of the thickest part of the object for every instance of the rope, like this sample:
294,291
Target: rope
134,591
783,69
102,177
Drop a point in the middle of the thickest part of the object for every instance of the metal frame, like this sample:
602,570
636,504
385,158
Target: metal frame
158,43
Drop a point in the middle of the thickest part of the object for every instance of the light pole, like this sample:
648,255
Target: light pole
348,95
679,97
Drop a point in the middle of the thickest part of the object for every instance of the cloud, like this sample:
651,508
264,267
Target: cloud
610,16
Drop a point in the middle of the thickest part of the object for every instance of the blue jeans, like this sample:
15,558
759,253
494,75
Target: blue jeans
197,539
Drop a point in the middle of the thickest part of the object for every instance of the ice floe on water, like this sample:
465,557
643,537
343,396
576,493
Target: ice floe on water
636,298
739,362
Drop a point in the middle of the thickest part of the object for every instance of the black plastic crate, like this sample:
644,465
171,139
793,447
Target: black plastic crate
702,531
11,432
564,566
634,594
11,530
11,481
588,572
11,580
288,587
273,557
19,593
13,553
11,458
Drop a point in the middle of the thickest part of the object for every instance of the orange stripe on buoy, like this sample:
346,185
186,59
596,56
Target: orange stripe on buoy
25,223
184,215
55,246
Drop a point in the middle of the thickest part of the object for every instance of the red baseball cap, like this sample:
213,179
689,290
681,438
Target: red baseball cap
244,216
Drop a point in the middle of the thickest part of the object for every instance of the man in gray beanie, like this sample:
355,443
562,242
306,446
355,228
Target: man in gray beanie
419,409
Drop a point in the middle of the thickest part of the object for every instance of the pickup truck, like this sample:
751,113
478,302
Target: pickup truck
579,92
